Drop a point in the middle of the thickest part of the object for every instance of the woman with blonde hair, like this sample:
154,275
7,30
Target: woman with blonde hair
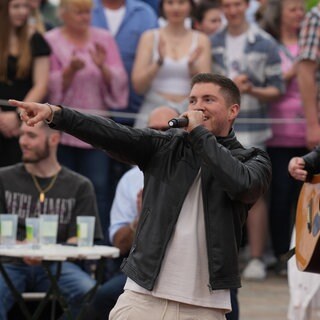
24,71
167,58
86,72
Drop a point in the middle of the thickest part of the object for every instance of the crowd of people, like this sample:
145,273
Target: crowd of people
133,63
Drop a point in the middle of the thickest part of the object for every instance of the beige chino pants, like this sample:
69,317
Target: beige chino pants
136,306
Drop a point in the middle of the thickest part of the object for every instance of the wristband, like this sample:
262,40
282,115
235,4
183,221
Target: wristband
51,114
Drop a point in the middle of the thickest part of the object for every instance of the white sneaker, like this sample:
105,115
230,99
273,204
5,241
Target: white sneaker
255,270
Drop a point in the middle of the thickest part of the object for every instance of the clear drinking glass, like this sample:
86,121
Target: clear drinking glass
85,230
32,230
8,228
48,228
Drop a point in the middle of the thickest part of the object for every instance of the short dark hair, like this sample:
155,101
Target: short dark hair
161,12
203,7
228,88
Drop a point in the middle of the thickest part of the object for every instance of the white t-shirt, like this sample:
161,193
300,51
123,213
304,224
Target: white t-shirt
254,6
235,52
184,274
114,18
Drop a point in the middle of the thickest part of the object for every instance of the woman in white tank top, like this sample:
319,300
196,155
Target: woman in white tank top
167,58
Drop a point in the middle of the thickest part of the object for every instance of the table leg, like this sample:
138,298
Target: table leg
52,291
16,293
89,295
56,292
42,304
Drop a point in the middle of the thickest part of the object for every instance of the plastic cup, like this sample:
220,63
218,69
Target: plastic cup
48,226
8,228
85,230
32,230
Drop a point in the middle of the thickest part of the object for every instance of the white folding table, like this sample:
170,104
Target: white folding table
55,253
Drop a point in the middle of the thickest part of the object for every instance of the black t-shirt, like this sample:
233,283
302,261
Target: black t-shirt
71,195
18,88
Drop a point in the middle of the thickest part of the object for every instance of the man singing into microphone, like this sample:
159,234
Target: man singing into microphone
199,184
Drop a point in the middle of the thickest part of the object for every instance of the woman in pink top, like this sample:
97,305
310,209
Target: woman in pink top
86,72
282,20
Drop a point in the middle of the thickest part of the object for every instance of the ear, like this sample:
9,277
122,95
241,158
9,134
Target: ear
233,112
54,138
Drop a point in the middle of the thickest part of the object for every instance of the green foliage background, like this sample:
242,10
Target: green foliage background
311,3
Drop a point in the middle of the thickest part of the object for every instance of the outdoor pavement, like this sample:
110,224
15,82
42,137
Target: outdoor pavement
264,300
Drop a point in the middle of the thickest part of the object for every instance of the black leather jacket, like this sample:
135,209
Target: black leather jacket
312,162
232,179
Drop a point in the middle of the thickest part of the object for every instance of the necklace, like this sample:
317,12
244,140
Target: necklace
42,192
175,44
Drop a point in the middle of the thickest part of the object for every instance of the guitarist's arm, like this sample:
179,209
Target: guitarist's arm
302,168
297,170
312,161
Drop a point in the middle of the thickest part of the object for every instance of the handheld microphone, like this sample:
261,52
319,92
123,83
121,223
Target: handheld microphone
178,122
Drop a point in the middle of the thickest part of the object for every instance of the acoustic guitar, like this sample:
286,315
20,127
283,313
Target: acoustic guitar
308,227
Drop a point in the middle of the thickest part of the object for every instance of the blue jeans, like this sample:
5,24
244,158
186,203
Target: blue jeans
93,164
73,282
107,296
234,314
